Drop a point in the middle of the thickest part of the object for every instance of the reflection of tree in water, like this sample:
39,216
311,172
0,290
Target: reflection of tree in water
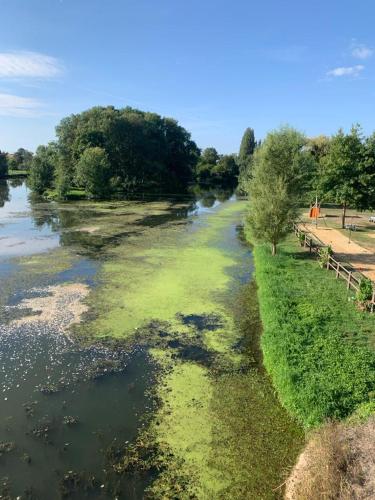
16,182
208,195
43,213
4,192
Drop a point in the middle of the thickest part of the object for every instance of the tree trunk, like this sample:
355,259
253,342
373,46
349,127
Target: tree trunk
343,215
273,248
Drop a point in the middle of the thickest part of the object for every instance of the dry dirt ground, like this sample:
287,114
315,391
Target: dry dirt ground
359,257
337,463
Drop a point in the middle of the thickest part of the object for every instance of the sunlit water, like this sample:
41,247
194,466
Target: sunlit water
46,381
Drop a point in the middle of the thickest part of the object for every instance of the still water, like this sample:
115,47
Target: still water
63,406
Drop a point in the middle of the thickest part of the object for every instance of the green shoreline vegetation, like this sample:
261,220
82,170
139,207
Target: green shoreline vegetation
318,348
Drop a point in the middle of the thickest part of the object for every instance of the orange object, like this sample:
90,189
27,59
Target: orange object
314,212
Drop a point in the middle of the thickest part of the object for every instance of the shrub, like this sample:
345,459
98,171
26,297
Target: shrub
324,253
365,290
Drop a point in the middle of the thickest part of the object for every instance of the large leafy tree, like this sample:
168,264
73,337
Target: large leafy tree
93,172
280,176
365,197
226,170
341,170
43,168
145,151
3,164
20,160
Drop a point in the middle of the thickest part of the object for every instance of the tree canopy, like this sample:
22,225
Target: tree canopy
279,177
20,160
213,168
3,164
245,158
341,169
143,151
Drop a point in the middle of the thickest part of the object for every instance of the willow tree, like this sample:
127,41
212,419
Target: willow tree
281,168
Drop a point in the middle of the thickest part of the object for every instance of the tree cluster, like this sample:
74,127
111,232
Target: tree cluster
215,169
288,167
106,150
20,160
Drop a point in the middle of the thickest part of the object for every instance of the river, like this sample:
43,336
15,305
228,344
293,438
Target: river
160,388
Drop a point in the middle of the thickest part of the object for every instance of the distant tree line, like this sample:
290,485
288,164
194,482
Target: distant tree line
215,169
106,150
288,168
20,160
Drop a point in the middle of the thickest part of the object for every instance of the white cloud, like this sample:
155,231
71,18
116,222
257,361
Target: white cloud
361,51
14,105
346,71
28,65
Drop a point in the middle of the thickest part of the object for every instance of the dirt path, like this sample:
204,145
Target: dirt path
360,258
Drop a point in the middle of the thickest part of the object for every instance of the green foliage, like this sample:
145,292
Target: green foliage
245,157
315,343
93,172
3,165
20,160
324,254
341,168
213,168
365,290
301,238
43,168
281,167
144,150
247,146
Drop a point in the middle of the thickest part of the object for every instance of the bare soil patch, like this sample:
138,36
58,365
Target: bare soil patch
359,257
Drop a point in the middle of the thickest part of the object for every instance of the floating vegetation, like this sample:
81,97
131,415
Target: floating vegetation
73,483
70,420
154,369
6,447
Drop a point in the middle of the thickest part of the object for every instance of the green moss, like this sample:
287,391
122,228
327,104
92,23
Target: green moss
52,262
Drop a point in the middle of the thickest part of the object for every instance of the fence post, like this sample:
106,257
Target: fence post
329,258
372,301
349,278
337,270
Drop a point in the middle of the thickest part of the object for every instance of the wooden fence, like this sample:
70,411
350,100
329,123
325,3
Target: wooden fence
311,242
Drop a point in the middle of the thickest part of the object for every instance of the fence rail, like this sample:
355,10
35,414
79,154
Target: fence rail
313,243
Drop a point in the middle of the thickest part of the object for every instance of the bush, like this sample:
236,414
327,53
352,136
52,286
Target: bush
315,344
324,253
365,290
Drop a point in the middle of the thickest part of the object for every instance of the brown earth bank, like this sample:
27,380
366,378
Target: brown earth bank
338,462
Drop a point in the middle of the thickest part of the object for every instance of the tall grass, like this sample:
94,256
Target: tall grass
316,345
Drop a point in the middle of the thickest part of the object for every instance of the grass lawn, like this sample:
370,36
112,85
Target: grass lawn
318,348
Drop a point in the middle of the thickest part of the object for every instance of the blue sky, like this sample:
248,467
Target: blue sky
217,66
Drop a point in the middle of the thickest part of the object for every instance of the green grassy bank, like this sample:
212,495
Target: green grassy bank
317,347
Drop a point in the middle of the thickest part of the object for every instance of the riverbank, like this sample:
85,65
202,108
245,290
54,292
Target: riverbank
318,348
